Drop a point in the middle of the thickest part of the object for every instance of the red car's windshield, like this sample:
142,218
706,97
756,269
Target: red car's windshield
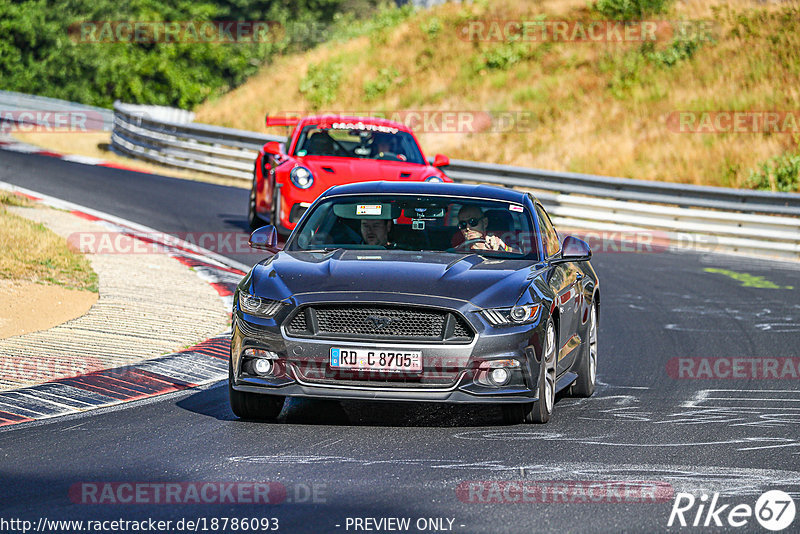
365,141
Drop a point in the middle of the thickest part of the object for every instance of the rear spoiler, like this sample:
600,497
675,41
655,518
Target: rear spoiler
280,121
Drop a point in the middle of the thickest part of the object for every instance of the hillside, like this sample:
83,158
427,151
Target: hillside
608,108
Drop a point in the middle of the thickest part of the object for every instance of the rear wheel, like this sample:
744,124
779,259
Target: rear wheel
587,368
540,410
253,406
273,209
252,215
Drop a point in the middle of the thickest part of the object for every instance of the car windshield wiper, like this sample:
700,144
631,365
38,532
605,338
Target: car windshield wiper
326,250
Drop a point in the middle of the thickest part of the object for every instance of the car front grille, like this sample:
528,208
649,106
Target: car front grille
379,322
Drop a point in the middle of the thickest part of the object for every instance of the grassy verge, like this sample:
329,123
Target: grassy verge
31,252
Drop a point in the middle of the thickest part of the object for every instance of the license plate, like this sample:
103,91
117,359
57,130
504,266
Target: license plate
377,360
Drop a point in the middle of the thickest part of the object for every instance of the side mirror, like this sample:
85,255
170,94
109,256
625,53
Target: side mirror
274,148
265,238
440,160
574,249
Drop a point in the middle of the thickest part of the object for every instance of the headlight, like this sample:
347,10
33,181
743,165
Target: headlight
434,178
260,306
302,177
524,314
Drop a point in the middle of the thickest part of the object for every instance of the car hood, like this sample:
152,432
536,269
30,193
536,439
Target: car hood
485,282
363,170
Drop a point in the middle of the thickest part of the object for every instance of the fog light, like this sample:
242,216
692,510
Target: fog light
500,376
262,367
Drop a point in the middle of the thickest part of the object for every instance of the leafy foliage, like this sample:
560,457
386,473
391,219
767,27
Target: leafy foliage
781,173
387,78
630,9
321,84
39,56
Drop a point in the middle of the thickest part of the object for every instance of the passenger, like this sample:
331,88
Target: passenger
376,231
320,144
472,225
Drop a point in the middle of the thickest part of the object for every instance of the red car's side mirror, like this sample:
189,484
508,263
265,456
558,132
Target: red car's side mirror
440,160
274,148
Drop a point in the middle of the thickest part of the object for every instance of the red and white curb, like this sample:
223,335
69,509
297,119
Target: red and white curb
202,364
24,148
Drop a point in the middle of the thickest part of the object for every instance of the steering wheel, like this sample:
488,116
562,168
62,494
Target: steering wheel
390,155
469,242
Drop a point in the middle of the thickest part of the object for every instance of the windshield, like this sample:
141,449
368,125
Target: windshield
417,223
359,140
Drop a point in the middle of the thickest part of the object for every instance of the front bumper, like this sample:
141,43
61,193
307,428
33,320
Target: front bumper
456,396
461,363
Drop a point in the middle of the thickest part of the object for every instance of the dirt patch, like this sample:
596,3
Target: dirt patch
28,307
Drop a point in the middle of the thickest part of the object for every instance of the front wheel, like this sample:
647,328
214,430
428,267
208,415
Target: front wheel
253,406
587,368
541,409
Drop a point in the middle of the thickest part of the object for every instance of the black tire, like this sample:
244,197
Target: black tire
253,219
587,367
253,406
273,210
541,409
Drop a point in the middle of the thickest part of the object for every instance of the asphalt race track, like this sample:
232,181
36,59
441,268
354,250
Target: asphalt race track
646,424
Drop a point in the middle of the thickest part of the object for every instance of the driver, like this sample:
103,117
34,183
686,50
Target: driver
376,231
383,144
472,224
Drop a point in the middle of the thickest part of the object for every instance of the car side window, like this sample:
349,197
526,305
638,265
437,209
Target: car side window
550,241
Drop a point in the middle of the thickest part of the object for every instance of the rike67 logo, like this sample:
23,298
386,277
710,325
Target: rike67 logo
774,510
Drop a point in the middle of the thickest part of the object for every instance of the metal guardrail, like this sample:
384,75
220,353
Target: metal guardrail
211,149
12,102
721,219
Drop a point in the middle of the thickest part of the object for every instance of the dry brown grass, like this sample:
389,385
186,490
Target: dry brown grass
30,252
583,121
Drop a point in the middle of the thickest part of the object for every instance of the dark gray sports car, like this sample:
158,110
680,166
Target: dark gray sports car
417,292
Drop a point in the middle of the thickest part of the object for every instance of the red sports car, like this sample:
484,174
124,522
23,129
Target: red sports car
331,150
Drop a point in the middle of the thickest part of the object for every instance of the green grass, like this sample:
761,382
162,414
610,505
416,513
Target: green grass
31,252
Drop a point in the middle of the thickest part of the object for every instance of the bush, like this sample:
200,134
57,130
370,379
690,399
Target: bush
504,56
321,83
630,9
781,173
386,79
